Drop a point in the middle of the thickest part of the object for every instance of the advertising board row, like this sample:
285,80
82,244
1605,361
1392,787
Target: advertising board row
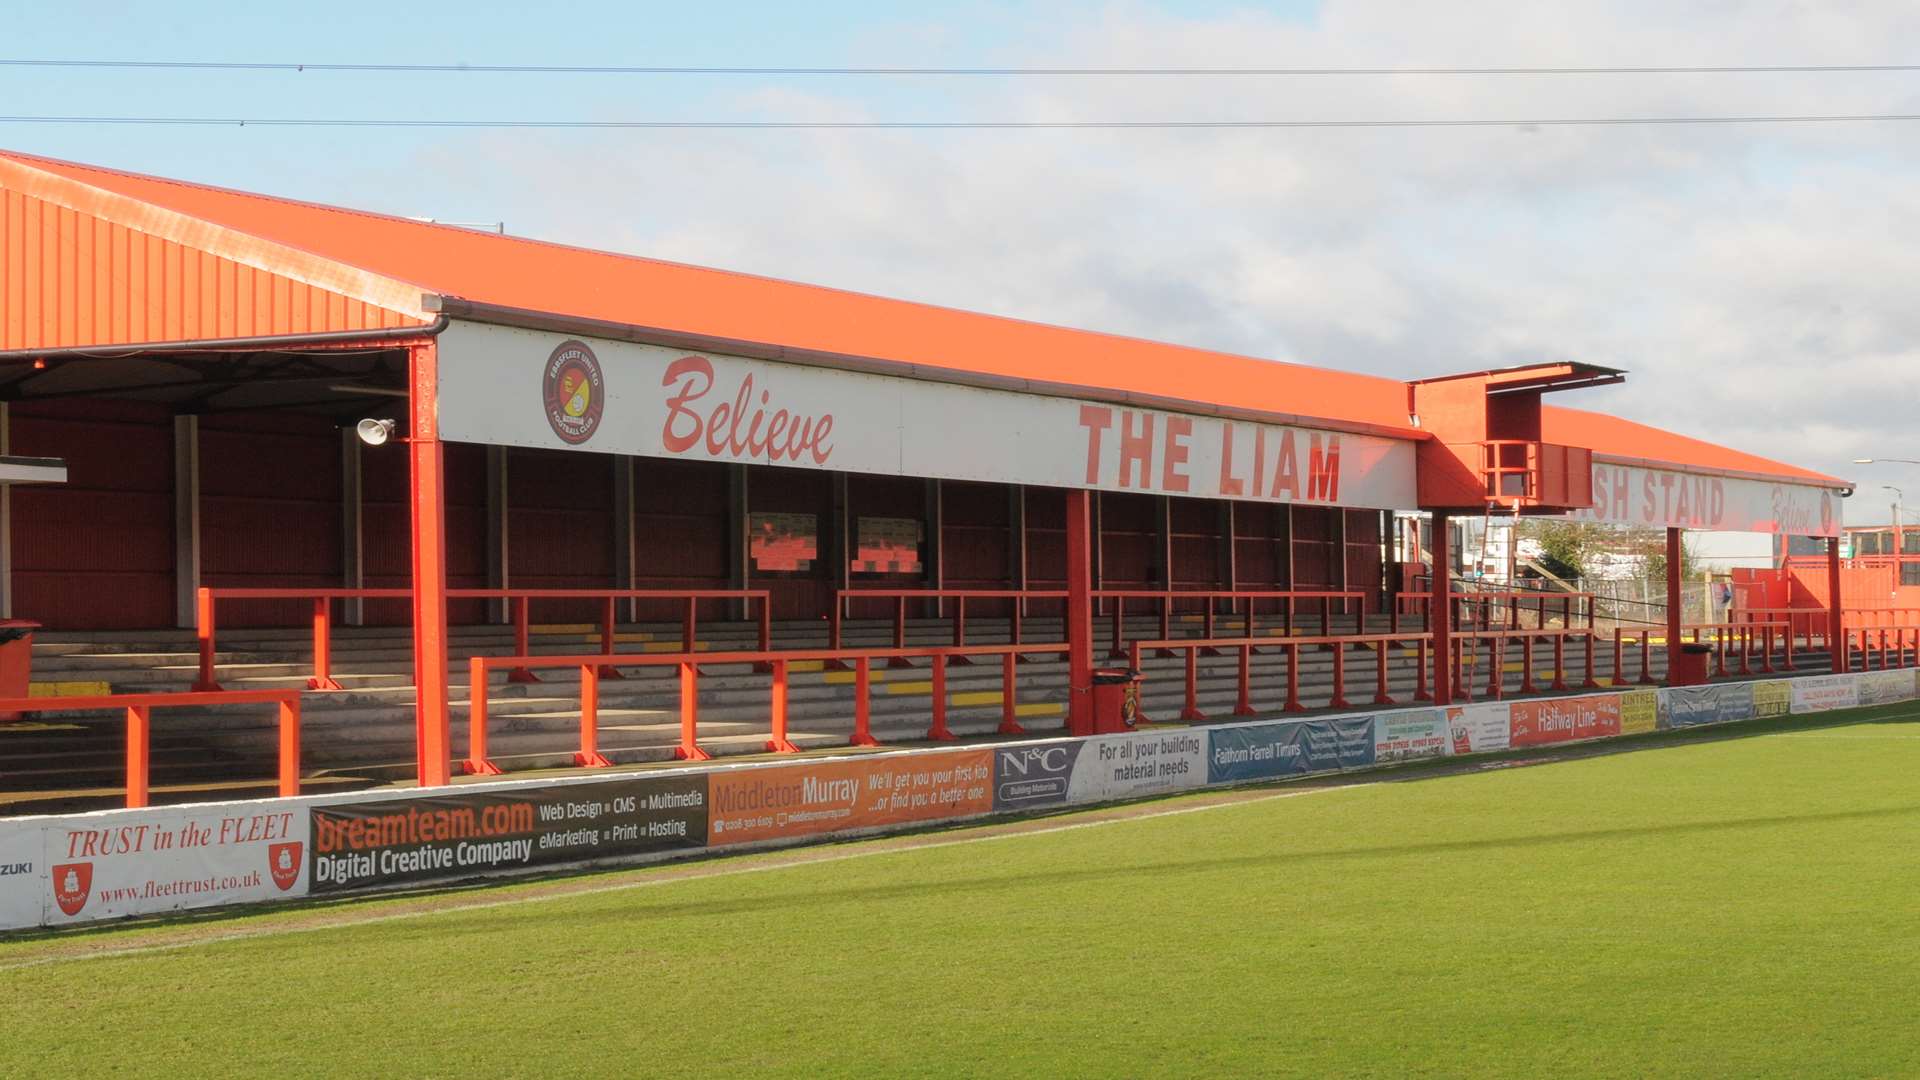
110,864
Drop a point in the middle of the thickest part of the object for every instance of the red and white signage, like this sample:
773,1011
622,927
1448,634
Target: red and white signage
496,387
1658,498
116,863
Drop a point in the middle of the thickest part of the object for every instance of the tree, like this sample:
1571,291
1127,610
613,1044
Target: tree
1567,548
1652,549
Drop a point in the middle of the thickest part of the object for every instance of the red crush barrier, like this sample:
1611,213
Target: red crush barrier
205,621
139,709
477,761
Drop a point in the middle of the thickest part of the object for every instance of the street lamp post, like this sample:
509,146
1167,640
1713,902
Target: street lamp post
1899,536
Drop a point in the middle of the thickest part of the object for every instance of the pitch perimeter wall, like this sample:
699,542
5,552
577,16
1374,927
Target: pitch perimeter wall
60,870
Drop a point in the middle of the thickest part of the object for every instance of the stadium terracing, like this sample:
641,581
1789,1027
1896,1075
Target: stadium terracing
662,510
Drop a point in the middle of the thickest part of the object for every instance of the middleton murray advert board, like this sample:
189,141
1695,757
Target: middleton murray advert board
781,802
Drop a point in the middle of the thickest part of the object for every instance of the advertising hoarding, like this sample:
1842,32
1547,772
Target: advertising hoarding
498,386
397,841
787,801
1289,748
1542,721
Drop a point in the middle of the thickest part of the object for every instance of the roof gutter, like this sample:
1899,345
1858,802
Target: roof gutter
1842,486
675,339
277,341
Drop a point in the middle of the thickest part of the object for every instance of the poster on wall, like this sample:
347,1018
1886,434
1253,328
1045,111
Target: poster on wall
117,863
1410,735
1772,697
1293,748
467,834
1552,720
1479,728
1713,703
1884,687
887,546
783,542
1822,692
1029,775
792,801
1639,712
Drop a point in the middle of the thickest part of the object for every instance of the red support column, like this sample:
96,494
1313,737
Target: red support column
522,642
322,646
1244,705
1079,613
139,733
780,743
1438,611
204,630
432,735
1009,705
1836,616
1191,713
689,748
1674,550
476,763
290,748
863,704
1293,680
938,730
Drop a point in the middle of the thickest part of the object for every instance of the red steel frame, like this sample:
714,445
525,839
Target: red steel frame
1245,647
1421,603
139,708
842,598
1873,641
589,756
323,599
1245,602
1813,629
1463,646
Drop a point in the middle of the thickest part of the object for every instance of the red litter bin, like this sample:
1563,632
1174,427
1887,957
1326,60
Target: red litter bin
16,659
1690,665
1116,700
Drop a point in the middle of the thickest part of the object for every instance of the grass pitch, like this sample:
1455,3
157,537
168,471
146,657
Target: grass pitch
1733,903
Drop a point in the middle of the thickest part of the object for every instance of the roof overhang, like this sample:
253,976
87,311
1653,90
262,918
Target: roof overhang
1844,489
1541,378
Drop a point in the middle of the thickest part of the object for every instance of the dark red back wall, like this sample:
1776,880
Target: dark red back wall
386,537
95,553
269,510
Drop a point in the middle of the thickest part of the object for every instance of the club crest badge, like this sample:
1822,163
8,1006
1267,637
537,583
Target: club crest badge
573,392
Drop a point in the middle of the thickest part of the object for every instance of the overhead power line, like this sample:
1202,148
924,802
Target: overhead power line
948,125
1002,72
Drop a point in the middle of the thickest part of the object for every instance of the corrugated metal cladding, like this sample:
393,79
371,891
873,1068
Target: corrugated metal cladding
69,278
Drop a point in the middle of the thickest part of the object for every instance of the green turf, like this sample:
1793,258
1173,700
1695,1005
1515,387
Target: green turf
1704,907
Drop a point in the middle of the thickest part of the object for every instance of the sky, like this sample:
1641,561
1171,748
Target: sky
1756,281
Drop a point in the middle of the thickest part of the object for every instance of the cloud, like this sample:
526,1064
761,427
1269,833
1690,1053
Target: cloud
1756,280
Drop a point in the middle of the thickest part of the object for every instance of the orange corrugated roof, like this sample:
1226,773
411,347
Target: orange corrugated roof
585,284
580,283
1623,438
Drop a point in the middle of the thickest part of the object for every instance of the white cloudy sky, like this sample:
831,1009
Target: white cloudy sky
1755,280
